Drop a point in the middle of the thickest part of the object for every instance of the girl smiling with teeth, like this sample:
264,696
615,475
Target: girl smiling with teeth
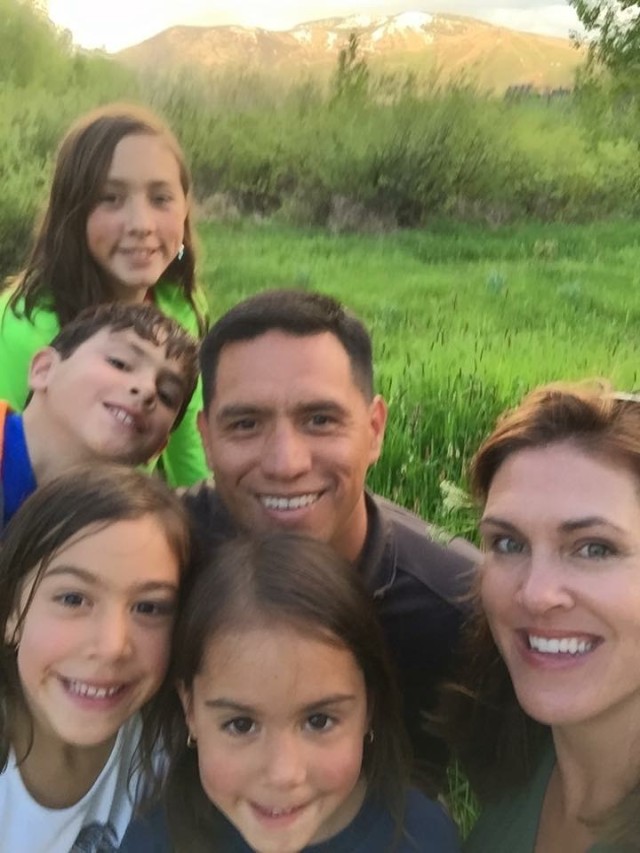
548,724
89,572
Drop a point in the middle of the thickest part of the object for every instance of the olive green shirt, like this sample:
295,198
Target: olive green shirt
511,825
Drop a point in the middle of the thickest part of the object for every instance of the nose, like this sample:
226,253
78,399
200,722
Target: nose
543,585
286,453
139,215
143,387
112,634
285,765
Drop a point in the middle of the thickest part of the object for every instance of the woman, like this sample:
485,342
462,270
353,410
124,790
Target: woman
548,726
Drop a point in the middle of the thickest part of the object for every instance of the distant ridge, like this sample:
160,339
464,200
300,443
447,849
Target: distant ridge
497,57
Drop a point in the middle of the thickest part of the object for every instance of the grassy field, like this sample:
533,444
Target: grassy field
464,320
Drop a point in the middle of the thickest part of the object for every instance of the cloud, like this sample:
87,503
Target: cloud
557,20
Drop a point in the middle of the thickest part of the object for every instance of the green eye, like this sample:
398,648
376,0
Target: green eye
595,550
507,545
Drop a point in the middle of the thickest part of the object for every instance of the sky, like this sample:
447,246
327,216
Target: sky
115,24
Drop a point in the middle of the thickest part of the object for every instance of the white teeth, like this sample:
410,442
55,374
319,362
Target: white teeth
82,689
122,416
298,502
567,645
279,812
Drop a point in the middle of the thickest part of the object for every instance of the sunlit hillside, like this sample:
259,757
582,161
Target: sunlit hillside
496,57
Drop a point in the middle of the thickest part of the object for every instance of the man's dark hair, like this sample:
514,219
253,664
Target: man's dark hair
149,323
294,312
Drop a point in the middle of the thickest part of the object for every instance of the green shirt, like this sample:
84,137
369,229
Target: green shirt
511,825
183,459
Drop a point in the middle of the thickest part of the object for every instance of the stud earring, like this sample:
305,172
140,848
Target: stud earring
191,741
181,252
369,737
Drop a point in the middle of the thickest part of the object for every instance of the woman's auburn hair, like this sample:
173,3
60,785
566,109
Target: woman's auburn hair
497,744
61,273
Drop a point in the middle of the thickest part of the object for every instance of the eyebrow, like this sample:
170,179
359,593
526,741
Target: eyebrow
566,527
239,410
91,579
225,704
119,182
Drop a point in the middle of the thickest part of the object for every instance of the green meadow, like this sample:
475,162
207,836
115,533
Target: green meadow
464,320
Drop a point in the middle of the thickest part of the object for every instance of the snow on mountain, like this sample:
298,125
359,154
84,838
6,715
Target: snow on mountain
302,34
411,21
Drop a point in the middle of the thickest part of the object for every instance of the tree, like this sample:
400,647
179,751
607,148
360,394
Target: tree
612,30
609,85
351,78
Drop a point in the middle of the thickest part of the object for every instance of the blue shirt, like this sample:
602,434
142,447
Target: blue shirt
427,829
18,479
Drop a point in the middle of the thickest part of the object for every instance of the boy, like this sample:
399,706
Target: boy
110,387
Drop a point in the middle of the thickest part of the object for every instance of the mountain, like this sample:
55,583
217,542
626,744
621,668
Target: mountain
496,57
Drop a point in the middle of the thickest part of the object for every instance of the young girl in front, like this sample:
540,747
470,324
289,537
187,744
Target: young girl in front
291,736
89,573
116,228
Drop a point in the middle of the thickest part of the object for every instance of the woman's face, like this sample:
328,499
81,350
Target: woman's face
280,718
94,645
561,582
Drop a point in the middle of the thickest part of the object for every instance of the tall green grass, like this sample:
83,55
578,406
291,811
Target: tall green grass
464,321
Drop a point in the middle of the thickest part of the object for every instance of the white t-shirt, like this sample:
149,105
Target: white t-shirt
95,824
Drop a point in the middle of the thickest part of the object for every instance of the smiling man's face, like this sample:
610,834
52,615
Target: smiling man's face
290,436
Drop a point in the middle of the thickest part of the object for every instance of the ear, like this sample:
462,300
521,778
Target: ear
377,424
186,699
42,365
203,429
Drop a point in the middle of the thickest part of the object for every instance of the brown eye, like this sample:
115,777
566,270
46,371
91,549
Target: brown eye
240,726
320,722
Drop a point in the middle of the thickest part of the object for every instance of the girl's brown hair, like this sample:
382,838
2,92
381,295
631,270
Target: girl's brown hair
74,505
283,578
61,272
498,745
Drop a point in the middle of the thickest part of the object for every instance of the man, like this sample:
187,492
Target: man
290,427
111,386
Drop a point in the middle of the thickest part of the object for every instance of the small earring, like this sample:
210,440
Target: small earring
369,737
191,741
181,252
